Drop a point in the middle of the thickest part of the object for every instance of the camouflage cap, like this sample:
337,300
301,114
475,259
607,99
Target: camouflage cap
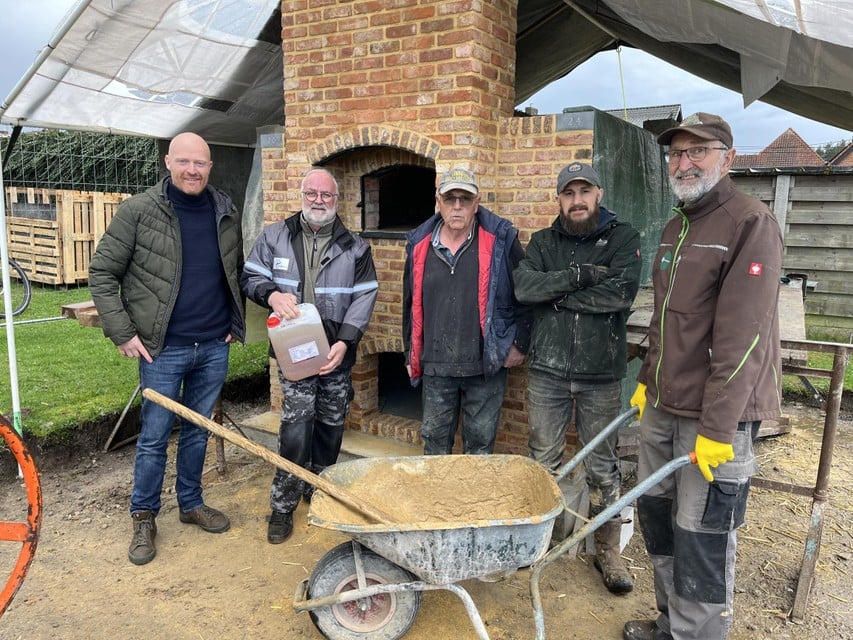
458,179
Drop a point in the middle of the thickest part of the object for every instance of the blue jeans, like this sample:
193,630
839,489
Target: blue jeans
200,368
479,399
552,402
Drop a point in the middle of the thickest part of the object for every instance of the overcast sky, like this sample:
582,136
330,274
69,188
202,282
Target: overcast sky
26,26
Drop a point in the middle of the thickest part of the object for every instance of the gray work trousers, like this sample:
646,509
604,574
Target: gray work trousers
690,526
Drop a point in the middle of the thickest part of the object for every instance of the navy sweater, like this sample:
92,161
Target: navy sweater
201,311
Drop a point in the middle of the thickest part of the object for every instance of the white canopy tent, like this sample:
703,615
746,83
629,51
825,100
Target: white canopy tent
156,68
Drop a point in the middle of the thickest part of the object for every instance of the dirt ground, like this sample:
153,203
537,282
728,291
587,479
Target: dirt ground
234,585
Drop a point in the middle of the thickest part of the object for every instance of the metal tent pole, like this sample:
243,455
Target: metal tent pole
7,302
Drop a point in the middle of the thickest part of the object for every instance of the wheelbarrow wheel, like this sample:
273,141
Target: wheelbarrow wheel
385,616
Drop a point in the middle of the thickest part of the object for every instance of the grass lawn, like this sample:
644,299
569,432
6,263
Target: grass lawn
69,375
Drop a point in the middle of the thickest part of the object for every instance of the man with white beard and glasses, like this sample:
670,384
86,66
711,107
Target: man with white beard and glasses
312,257
711,374
580,276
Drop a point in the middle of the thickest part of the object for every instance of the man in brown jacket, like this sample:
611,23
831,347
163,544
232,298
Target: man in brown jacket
711,374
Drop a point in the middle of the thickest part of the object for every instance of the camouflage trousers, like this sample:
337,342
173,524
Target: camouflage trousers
311,430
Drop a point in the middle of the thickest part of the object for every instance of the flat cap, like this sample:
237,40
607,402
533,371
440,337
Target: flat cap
702,125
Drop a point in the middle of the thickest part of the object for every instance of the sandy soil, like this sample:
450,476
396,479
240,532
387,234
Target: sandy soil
234,585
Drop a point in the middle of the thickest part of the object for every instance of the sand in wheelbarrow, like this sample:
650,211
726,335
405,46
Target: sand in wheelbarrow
442,489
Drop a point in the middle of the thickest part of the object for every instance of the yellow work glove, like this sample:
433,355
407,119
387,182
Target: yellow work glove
710,453
639,399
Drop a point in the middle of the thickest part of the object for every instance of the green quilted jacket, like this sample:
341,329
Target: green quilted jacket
135,273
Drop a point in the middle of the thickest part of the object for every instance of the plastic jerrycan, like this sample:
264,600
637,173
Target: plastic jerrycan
300,344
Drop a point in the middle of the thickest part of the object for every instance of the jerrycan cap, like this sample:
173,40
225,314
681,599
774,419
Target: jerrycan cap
273,321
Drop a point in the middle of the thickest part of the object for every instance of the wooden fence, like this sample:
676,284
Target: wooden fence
816,215
52,234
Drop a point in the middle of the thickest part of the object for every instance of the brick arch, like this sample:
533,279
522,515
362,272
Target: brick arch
373,136
371,346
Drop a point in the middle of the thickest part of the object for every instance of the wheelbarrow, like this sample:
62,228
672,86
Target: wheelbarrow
369,588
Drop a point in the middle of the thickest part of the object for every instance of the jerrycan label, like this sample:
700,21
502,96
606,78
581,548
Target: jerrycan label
302,352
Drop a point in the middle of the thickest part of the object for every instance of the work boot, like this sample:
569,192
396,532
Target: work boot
142,549
280,527
608,560
643,630
208,518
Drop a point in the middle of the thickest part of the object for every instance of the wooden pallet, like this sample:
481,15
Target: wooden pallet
57,250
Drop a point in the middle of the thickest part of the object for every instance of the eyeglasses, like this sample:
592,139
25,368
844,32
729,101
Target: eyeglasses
694,154
184,163
325,196
463,200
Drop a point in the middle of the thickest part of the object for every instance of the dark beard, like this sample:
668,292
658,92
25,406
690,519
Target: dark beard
580,229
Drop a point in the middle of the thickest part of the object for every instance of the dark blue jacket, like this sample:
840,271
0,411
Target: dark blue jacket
503,320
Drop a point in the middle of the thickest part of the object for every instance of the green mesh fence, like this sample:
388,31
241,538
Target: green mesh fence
53,159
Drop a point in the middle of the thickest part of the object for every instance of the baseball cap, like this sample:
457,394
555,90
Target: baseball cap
458,179
702,125
577,171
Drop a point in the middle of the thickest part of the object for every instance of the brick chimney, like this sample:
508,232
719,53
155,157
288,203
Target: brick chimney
385,94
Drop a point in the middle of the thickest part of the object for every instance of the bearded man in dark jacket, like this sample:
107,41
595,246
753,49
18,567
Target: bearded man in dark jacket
581,275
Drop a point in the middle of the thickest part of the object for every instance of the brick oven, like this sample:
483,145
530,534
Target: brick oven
385,94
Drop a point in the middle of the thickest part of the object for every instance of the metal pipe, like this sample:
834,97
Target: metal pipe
7,305
34,320
815,532
592,444
590,527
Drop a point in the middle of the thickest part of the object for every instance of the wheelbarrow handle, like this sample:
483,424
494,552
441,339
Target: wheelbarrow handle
373,512
605,515
579,457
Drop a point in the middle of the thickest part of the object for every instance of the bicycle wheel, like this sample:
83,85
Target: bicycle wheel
22,530
19,287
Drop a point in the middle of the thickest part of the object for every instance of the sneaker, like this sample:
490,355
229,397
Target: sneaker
280,527
142,549
208,518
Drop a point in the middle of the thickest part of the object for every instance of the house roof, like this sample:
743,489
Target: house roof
788,150
639,115
843,158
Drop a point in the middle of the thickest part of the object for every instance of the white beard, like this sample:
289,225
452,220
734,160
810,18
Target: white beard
708,179
314,217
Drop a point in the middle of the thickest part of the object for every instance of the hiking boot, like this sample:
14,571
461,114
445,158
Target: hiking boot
142,549
280,527
208,518
607,559
643,630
